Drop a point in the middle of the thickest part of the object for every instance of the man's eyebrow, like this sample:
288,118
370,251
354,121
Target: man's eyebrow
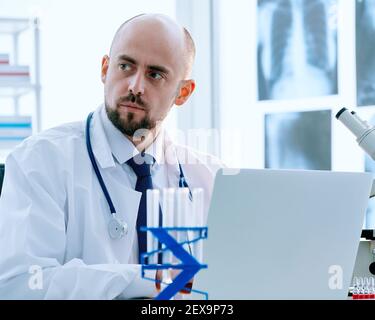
159,68
125,57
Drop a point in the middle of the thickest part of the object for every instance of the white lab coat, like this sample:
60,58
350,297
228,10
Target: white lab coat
54,216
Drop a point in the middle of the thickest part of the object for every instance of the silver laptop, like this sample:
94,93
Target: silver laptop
283,234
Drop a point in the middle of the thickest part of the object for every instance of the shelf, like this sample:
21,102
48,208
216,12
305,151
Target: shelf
11,26
15,90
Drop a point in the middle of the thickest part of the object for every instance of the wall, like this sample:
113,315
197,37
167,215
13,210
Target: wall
74,37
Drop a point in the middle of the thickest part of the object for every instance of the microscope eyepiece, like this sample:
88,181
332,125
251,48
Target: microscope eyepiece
340,113
362,130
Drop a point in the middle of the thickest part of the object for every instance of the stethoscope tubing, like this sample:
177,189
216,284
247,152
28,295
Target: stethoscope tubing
182,180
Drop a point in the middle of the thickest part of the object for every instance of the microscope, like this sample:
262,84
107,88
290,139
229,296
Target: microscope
365,134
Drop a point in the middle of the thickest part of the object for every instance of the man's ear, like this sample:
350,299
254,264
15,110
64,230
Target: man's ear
105,64
187,87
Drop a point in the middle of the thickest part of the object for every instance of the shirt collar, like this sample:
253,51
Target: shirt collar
123,149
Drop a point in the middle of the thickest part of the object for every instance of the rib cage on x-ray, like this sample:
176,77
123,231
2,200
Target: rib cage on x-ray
296,49
314,13
298,140
281,29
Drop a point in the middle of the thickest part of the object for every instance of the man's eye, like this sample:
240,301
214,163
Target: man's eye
125,66
156,75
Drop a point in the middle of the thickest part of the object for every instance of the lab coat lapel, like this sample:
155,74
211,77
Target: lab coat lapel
125,199
172,162
99,142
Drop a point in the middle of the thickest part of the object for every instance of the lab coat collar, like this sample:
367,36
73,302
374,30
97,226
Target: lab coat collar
100,145
109,142
171,160
156,149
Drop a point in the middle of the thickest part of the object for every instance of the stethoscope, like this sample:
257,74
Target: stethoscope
116,227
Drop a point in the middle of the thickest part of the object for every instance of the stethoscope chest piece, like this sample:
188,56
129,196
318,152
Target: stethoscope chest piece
116,228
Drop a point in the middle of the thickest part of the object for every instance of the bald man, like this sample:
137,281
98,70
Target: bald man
74,197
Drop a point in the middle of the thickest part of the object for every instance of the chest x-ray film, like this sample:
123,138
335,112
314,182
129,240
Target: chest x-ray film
365,51
297,48
298,140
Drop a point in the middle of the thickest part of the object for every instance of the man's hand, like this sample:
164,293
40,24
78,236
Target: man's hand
173,273
158,279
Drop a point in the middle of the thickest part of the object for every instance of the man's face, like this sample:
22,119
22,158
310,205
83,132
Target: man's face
142,76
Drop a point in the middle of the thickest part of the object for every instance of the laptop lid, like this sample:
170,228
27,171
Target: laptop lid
283,234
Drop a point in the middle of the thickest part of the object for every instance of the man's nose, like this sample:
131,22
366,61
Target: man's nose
136,84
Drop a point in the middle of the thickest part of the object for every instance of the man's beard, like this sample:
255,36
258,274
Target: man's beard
129,126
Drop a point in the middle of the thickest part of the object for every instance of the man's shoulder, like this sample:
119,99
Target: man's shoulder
53,141
191,156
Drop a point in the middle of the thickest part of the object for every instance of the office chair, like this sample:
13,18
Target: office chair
2,170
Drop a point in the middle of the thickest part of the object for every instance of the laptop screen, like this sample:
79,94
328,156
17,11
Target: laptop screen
283,234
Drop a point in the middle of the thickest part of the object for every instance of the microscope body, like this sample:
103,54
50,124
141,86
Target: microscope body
365,135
